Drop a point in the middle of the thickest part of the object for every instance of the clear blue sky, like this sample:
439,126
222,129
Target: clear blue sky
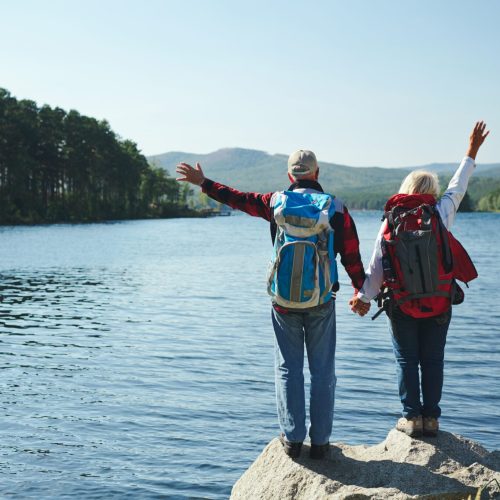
369,82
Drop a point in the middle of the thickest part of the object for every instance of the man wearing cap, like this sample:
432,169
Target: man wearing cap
314,327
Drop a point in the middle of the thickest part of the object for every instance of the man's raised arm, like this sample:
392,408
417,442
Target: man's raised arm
254,204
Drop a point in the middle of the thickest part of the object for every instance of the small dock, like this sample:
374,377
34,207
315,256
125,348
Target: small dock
216,212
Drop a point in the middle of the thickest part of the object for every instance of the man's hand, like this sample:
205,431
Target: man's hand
190,174
358,306
477,138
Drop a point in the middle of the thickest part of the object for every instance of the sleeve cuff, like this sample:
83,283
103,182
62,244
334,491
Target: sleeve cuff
206,185
468,159
363,298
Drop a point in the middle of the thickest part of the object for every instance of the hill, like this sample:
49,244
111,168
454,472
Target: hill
360,187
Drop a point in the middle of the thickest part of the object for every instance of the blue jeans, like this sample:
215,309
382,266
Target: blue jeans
419,343
317,329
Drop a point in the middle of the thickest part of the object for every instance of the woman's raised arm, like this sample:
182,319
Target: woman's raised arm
457,187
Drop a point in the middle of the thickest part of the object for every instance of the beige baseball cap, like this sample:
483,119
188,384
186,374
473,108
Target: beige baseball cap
302,163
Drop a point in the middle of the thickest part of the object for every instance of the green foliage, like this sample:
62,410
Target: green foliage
204,202
466,205
63,166
365,199
490,202
479,187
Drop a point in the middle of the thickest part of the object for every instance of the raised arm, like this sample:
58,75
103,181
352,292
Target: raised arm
255,204
457,187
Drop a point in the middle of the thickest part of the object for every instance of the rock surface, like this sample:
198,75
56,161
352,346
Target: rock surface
446,467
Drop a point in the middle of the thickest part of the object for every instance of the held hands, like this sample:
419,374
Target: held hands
477,138
190,174
358,306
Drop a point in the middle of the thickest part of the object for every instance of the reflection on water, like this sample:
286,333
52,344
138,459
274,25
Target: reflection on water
137,357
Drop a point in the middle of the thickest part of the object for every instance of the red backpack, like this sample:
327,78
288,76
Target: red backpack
421,258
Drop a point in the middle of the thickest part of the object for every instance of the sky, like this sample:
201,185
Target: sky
363,82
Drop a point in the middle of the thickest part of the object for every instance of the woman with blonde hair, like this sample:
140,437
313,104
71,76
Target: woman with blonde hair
420,181
413,271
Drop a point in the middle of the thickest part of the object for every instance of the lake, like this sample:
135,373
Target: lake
137,357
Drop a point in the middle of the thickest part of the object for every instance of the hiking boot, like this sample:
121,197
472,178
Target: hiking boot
291,449
411,426
319,451
431,426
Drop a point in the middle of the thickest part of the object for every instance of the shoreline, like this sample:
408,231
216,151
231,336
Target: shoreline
192,214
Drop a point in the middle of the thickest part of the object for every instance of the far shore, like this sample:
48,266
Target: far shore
189,214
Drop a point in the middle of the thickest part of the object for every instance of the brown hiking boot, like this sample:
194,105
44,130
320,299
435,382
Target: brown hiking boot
431,426
413,427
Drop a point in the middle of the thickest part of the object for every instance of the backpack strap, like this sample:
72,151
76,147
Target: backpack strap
273,227
397,215
324,259
437,293
389,217
385,302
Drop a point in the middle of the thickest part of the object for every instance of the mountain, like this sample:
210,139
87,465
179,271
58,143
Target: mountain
361,187
491,170
250,169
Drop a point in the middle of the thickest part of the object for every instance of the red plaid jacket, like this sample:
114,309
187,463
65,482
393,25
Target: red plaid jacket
258,205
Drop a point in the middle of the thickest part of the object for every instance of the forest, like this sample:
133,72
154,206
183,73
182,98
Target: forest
59,166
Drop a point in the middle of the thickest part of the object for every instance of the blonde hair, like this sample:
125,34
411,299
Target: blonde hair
420,182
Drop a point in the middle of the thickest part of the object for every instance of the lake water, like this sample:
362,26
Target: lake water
137,357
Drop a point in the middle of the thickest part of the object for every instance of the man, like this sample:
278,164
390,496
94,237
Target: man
314,326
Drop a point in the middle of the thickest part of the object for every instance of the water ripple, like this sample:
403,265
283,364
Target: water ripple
137,357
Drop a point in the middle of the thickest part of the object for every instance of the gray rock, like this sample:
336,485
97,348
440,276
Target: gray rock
446,467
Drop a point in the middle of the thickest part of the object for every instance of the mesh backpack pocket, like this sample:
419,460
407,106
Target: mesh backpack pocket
296,273
417,254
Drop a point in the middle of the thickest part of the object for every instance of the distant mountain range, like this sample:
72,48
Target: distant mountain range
363,187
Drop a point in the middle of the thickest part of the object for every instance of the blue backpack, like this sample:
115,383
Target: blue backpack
303,268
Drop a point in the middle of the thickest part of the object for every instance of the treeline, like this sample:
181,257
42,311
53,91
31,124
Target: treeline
367,198
490,202
364,202
474,199
64,166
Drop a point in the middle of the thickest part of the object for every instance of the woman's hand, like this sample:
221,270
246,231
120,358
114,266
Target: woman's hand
358,306
477,138
190,174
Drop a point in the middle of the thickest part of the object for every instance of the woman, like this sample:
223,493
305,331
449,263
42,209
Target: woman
417,260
